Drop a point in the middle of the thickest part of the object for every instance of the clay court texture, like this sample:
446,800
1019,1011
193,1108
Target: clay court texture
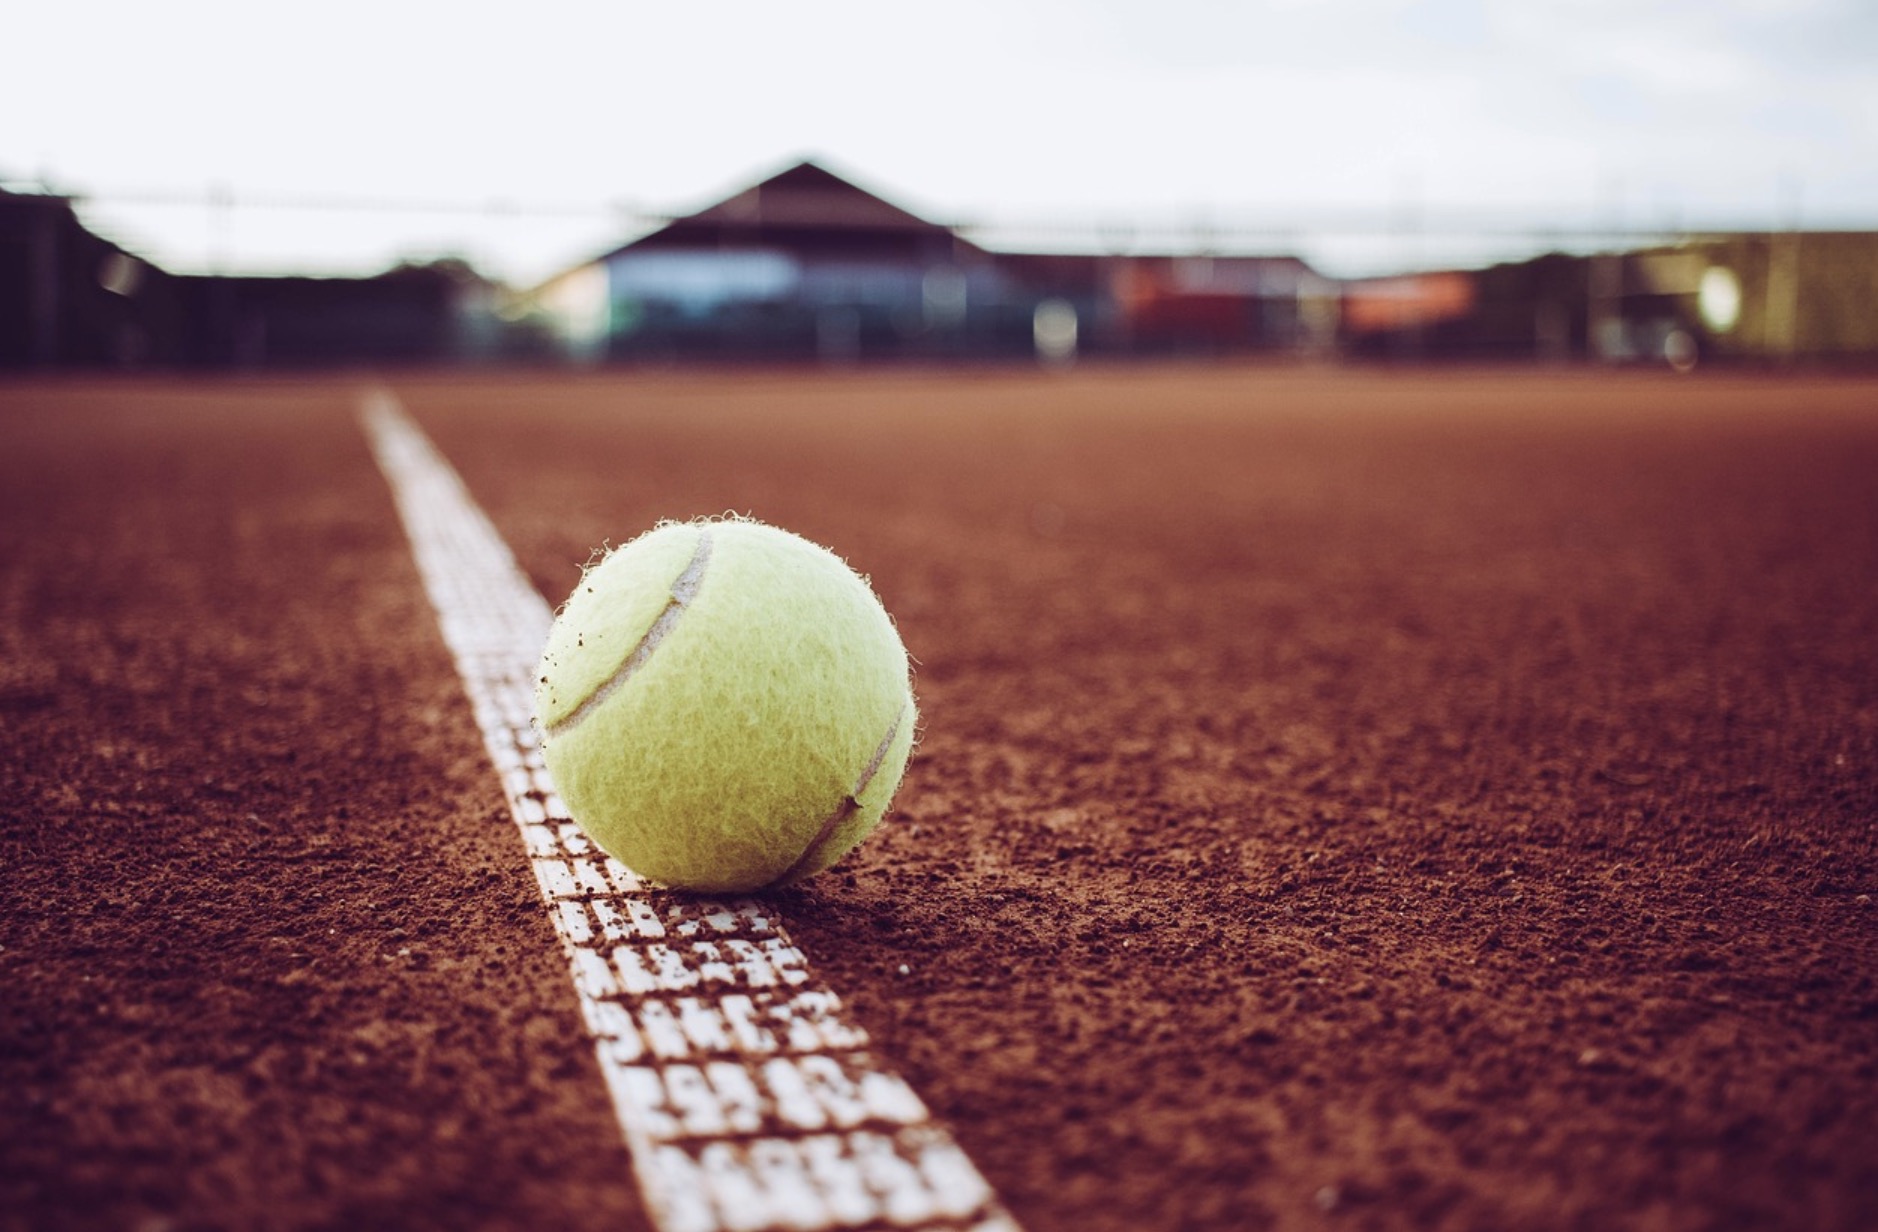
1358,799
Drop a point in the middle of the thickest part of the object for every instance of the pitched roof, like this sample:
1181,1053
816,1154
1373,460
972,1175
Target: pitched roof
805,203
807,195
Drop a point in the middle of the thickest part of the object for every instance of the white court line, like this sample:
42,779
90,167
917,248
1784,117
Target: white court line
746,1098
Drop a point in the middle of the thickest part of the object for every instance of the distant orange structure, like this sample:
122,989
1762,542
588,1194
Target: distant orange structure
1213,302
1389,305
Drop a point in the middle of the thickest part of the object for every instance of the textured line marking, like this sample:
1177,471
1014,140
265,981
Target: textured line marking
849,803
747,1100
684,590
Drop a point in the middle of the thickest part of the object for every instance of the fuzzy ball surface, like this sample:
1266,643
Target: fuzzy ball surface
725,706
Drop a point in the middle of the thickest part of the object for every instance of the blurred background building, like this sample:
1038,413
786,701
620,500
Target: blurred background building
806,266
69,299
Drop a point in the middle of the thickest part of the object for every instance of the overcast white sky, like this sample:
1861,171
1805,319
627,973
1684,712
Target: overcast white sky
1214,113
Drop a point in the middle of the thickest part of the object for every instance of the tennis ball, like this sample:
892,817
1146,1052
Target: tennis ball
724,706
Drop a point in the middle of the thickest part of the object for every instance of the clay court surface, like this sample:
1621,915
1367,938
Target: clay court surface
1346,799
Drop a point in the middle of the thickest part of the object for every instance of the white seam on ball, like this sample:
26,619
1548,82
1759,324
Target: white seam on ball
684,590
849,803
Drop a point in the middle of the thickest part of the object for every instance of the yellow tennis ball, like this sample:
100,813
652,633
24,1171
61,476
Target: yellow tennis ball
725,706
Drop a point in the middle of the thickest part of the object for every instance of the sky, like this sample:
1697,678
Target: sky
348,135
